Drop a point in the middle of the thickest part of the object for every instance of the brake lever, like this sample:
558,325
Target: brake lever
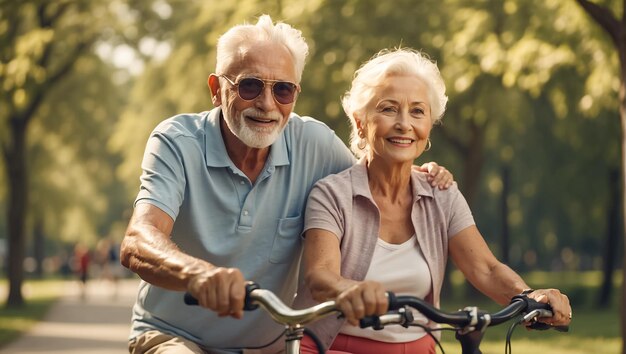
532,316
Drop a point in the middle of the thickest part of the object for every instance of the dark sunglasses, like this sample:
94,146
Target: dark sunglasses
250,88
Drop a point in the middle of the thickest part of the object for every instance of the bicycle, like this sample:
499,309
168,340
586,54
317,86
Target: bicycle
469,323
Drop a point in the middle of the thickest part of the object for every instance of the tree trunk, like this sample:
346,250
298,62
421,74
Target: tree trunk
620,43
473,165
16,165
39,249
616,29
612,239
622,113
504,207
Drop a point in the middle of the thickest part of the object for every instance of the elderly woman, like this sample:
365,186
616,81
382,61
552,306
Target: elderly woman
380,225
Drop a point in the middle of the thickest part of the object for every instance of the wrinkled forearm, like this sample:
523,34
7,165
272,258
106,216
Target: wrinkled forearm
499,282
325,284
157,260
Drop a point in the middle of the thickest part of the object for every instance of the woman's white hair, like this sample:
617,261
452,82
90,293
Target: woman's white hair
230,43
401,61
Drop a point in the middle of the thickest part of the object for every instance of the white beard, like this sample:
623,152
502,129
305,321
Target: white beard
254,137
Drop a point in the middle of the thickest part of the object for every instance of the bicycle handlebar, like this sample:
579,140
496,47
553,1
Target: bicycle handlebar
277,309
470,317
469,323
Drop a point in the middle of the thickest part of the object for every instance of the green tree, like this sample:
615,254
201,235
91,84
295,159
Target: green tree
42,45
615,27
32,65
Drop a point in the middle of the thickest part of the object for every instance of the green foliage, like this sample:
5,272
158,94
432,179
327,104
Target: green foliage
532,86
69,142
68,99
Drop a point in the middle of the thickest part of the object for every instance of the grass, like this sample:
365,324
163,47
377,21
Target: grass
592,330
39,296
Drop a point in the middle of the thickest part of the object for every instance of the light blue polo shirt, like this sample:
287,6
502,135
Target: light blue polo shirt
223,218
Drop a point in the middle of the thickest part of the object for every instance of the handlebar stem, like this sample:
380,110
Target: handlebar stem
478,320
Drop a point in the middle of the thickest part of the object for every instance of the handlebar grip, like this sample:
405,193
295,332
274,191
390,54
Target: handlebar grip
374,321
370,321
531,304
190,300
392,299
535,305
247,306
540,326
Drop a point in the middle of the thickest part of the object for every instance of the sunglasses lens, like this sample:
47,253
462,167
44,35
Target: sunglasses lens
250,88
284,92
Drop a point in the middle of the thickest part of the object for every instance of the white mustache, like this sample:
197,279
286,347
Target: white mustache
256,113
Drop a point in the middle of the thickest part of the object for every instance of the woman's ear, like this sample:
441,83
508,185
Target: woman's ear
214,84
358,122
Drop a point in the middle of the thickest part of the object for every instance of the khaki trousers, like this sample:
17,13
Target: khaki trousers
155,342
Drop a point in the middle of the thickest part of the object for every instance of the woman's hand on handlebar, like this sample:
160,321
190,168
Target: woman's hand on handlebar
362,299
560,306
221,290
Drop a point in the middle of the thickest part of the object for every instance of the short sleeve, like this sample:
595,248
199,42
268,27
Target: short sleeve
323,211
163,178
459,213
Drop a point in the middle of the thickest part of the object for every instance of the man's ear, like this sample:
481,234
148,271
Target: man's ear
214,84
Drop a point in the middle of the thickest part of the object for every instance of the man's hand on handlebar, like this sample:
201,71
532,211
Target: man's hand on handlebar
362,299
221,290
561,309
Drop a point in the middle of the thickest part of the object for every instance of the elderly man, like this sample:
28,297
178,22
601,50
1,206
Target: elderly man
222,198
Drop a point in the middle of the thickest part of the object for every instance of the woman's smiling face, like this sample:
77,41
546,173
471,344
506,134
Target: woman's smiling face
398,119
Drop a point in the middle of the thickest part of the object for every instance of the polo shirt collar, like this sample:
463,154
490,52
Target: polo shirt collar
360,185
216,154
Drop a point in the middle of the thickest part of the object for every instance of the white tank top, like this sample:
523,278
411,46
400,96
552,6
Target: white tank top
401,269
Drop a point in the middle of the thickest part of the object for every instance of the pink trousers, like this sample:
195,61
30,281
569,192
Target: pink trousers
345,344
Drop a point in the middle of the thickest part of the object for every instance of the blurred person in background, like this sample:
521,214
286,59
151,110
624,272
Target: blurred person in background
108,259
81,260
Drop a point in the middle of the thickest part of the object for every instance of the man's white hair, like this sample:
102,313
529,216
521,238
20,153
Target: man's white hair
230,43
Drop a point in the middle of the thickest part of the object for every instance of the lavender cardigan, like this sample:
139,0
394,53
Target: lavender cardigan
343,205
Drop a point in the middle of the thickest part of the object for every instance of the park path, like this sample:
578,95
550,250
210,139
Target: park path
99,323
